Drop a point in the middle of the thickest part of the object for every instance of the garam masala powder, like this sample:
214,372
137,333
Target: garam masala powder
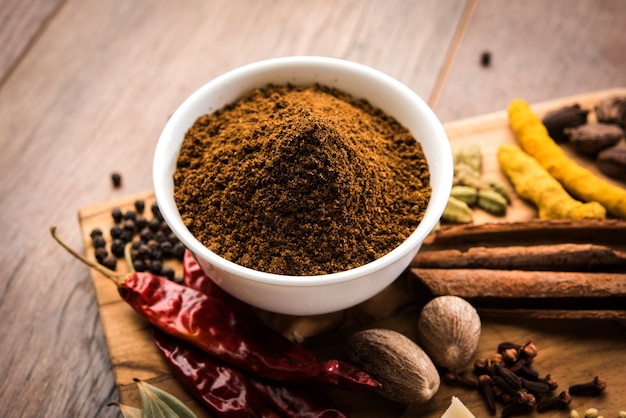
300,180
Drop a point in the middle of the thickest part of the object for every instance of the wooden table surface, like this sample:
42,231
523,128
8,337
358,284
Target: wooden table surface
87,85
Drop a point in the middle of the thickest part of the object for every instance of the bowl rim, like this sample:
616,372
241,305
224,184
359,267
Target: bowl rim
171,215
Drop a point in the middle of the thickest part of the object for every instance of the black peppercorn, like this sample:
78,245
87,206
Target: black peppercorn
156,211
139,265
141,222
154,224
117,247
485,59
116,231
130,214
95,232
98,241
172,238
165,228
110,262
153,244
146,235
140,205
160,236
166,248
168,272
127,236
116,179
129,225
179,251
117,215
156,266
156,254
101,253
143,251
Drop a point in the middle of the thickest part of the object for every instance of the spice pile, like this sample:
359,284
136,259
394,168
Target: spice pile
509,378
300,181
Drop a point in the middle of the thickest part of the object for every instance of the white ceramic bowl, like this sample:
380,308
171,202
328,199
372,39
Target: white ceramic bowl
307,295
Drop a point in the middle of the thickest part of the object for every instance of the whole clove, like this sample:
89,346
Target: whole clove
452,378
486,390
535,386
560,401
594,388
515,409
503,386
511,379
481,367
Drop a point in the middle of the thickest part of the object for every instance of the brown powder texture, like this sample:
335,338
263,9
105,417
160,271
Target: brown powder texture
300,181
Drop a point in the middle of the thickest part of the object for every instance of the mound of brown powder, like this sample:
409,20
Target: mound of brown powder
300,181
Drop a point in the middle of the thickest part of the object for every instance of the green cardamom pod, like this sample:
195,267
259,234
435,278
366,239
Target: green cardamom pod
474,158
500,188
466,194
492,201
457,211
457,156
465,175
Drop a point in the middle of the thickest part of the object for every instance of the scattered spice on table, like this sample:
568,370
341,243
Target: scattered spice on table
116,180
300,181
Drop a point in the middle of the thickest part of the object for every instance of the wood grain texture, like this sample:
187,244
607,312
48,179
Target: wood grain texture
90,96
21,22
539,50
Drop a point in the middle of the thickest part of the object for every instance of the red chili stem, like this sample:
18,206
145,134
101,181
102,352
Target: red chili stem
108,273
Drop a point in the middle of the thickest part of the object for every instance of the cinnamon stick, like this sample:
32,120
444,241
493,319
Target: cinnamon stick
487,283
596,314
557,257
609,232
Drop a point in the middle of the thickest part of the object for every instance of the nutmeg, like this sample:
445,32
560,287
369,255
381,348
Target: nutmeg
612,161
405,371
593,138
566,117
449,329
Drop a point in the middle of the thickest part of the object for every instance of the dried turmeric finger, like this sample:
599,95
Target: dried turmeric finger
580,182
534,183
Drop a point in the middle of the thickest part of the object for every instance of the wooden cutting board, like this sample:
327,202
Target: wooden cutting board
571,350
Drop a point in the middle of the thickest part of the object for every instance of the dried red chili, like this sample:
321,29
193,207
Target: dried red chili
230,393
224,390
214,326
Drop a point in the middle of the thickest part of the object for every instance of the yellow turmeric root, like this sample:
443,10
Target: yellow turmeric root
580,182
534,183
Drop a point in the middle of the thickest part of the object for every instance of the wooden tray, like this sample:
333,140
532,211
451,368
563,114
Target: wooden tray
572,350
